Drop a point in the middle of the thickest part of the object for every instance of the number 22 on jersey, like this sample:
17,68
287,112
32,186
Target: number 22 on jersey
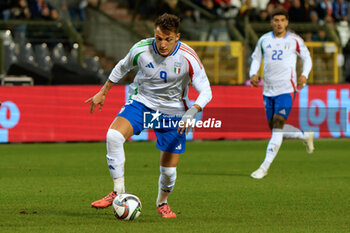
276,55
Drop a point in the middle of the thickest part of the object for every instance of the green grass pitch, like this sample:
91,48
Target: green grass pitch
49,188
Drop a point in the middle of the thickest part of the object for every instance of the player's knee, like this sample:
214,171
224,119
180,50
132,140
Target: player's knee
115,150
168,171
278,121
115,138
167,178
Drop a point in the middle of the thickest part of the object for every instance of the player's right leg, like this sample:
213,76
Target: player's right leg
118,132
276,119
271,152
129,121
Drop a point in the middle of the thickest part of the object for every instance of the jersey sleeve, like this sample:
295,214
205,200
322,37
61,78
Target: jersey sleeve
304,54
199,80
128,63
256,58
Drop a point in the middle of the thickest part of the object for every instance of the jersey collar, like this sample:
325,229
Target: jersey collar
285,36
178,44
155,46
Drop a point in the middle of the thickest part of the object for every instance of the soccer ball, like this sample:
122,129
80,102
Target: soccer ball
127,206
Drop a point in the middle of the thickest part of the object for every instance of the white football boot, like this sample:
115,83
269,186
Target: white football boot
259,173
309,141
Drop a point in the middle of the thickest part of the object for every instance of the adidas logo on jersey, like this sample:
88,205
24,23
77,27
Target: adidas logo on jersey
269,46
150,65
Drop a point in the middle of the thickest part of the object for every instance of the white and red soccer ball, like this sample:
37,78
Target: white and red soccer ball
127,206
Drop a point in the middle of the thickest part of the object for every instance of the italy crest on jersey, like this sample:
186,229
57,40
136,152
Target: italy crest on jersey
286,47
177,66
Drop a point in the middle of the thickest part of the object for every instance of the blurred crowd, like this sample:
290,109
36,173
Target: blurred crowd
315,11
318,12
42,9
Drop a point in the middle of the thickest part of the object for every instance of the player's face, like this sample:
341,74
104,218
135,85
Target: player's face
279,24
166,42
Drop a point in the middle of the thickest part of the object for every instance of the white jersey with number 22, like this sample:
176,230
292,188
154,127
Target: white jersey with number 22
280,57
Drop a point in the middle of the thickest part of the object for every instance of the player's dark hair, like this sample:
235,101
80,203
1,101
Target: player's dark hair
280,11
168,23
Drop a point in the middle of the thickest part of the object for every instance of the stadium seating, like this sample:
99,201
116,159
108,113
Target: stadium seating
39,75
92,63
59,54
72,74
53,63
42,56
26,53
10,55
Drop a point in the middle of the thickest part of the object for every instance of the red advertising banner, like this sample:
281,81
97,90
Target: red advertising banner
58,113
55,113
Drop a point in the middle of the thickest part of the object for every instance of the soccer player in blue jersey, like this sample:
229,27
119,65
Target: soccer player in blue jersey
279,49
166,68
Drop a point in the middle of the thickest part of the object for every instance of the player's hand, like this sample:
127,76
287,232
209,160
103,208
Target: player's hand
254,81
302,80
187,118
98,99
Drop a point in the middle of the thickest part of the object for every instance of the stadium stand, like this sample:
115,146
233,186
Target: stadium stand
32,47
43,56
97,35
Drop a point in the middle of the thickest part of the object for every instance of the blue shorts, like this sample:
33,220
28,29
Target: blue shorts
167,137
279,105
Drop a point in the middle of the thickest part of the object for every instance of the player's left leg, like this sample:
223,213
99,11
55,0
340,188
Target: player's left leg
290,131
166,183
171,145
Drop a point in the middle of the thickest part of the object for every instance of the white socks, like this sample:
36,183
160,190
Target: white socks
166,183
119,186
116,159
290,131
275,142
272,148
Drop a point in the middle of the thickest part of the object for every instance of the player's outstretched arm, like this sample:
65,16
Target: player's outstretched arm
99,97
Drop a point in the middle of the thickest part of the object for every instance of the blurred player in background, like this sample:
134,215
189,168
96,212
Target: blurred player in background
280,49
166,68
